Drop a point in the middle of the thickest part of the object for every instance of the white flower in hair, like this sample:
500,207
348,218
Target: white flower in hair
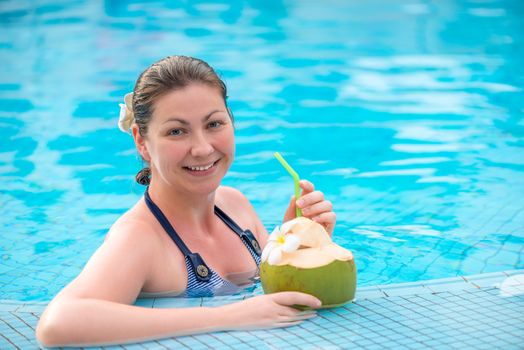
127,117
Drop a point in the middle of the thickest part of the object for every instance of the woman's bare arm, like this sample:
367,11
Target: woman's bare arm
73,321
115,274
82,321
95,308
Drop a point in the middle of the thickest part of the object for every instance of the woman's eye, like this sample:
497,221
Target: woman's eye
214,124
175,132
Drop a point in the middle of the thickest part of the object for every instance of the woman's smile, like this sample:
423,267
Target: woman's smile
202,170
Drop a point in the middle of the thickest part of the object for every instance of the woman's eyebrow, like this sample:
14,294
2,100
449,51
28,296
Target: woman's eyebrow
185,122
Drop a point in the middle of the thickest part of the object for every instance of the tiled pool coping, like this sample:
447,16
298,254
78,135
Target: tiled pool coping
479,312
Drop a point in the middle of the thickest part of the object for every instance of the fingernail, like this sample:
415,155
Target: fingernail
300,202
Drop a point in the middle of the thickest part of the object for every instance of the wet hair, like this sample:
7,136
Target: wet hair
166,75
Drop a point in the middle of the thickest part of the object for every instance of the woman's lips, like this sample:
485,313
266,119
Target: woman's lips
202,170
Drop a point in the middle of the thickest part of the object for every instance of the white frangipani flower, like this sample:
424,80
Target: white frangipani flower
279,242
126,117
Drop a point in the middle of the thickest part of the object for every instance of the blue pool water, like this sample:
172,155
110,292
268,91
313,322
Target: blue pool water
408,115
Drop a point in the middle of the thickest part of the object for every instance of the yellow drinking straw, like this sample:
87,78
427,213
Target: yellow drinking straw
295,177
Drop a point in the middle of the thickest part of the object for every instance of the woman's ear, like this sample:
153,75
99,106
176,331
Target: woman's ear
140,143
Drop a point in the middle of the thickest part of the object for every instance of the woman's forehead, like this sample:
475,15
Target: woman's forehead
192,101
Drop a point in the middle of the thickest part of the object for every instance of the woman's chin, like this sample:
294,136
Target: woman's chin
201,187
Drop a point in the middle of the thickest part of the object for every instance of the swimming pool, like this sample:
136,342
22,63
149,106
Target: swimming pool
408,117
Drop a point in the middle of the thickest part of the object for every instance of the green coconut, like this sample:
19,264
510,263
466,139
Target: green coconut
318,267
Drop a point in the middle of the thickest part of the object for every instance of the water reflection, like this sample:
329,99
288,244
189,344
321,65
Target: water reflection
407,116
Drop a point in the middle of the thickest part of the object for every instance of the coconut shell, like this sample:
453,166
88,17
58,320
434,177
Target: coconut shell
308,258
334,284
319,267
311,233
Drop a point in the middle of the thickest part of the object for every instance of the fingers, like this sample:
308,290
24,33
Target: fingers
313,205
292,321
302,316
287,324
296,298
310,199
291,316
306,186
272,310
327,220
317,208
291,312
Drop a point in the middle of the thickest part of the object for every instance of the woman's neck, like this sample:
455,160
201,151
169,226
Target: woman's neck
186,209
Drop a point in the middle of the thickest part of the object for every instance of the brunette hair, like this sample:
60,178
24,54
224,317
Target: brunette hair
168,74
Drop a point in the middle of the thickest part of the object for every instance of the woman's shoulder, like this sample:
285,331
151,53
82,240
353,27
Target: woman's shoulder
236,205
231,195
232,201
134,225
122,264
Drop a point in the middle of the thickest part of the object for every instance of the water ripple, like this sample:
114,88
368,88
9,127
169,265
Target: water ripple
413,129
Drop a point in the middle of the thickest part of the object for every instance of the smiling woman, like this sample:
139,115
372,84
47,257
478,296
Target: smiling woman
190,143
188,235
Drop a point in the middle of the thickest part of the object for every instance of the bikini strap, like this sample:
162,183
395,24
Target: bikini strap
245,235
200,269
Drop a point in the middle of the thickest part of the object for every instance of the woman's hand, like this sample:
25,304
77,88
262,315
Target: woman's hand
313,206
269,311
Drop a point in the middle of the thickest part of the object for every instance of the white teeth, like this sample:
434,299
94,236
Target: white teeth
200,168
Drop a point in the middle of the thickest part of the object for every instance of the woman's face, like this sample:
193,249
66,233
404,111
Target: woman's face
190,141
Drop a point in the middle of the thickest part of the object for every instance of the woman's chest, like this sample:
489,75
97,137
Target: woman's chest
227,255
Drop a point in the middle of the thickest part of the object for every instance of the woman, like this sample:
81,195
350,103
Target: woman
188,235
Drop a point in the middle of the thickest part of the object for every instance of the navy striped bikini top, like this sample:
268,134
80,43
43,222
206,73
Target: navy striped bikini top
202,281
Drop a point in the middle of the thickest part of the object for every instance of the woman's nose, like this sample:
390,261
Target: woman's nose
201,147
